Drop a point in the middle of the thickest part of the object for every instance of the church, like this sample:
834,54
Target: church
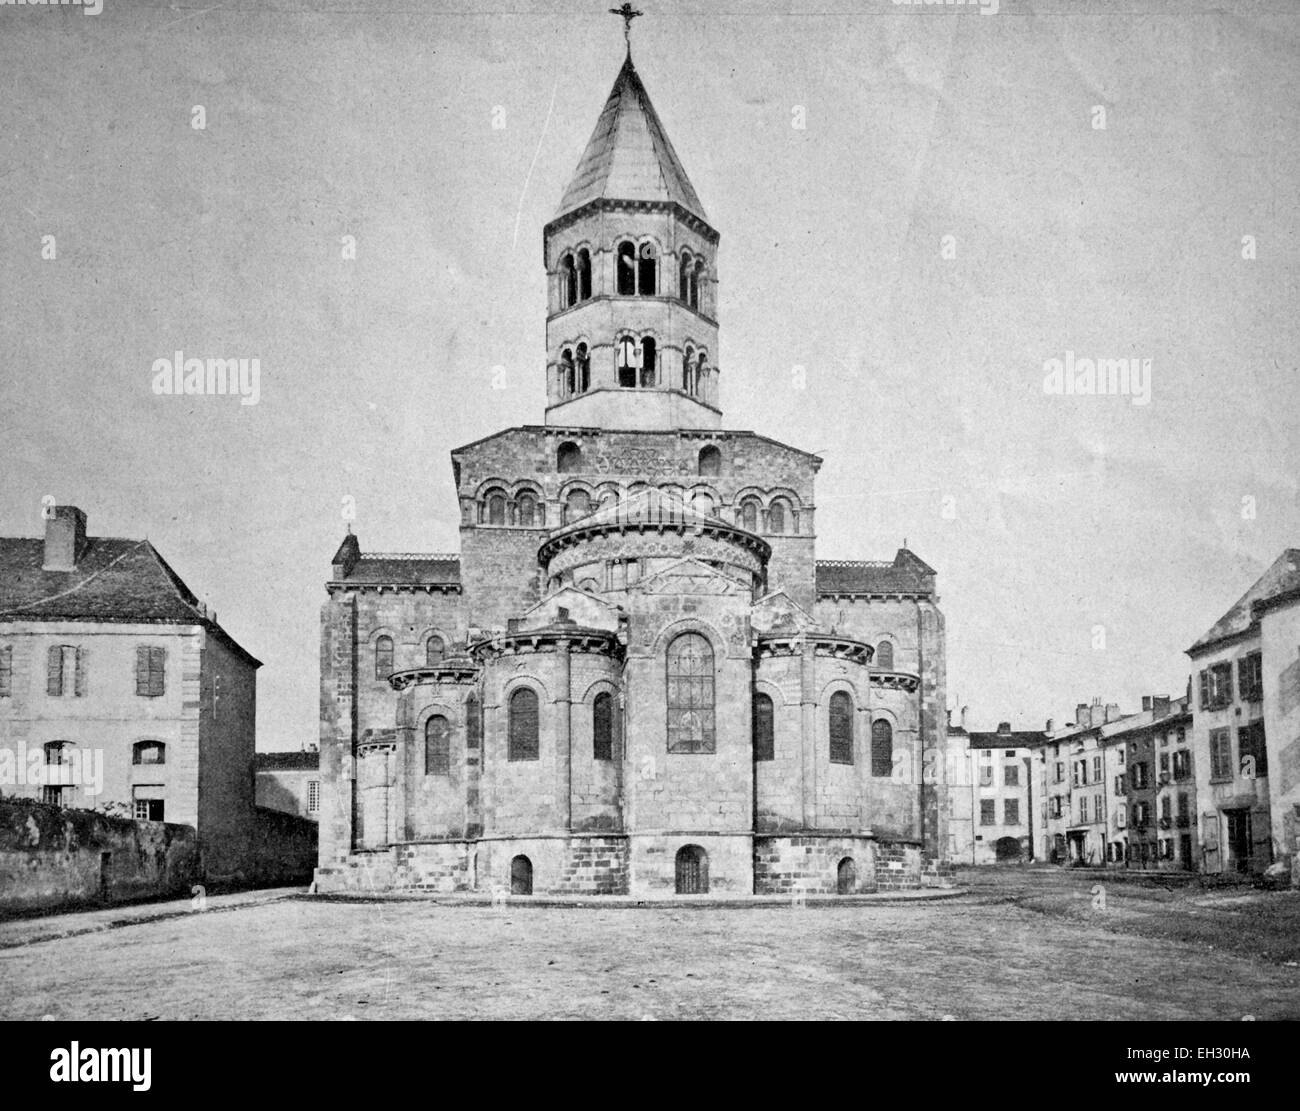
635,677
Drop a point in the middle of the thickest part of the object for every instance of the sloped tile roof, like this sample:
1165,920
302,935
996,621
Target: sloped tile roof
114,580
907,574
405,569
629,156
1282,577
287,761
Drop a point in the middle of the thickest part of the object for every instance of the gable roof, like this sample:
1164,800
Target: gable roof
1281,578
114,580
629,156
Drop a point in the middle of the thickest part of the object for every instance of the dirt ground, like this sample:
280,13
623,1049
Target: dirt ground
1020,946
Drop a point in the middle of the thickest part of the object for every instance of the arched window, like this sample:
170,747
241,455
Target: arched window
383,657
882,748
495,507
437,746
576,506
684,277
701,368
749,515
568,458
647,266
522,741
584,368
697,280
626,269
841,728
688,370
59,753
568,282
647,362
628,361
567,382
148,752
764,733
473,722
526,511
434,648
602,727
702,504
885,655
710,461
690,694
584,274
777,516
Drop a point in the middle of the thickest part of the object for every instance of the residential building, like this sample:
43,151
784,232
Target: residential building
290,782
118,689
1246,727
1002,793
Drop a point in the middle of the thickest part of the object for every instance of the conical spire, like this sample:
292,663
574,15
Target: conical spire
629,157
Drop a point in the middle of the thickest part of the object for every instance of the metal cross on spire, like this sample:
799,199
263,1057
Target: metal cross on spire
628,13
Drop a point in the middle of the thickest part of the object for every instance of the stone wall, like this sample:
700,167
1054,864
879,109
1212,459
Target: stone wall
811,865
52,858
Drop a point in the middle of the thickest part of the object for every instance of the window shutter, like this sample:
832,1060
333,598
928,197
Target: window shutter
79,683
54,671
141,670
1205,689
157,671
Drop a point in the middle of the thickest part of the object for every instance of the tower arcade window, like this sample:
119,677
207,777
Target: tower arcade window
522,725
437,746
749,509
688,370
710,462
568,282
627,362
568,377
778,516
882,748
526,511
626,264
697,274
697,379
576,506
647,271
764,733
383,657
647,363
583,364
841,728
584,274
885,655
691,707
602,727
568,458
494,507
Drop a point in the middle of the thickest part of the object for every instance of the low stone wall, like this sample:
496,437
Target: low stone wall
53,858
898,865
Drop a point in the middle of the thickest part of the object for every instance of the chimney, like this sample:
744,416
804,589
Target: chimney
963,716
347,556
1112,712
1146,702
1004,727
1051,724
65,538
1160,703
1081,715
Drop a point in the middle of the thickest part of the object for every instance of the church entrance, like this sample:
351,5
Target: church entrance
521,876
692,870
846,877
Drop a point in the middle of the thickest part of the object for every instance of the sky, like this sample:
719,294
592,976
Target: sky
970,196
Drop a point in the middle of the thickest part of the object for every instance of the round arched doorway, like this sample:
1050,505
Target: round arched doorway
521,876
692,870
846,877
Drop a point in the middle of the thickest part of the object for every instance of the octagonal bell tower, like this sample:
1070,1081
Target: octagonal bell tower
631,326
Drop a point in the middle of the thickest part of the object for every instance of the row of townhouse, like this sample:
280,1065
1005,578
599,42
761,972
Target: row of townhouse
990,794
1208,782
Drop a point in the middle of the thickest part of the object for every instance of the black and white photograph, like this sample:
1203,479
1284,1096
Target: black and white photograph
763,510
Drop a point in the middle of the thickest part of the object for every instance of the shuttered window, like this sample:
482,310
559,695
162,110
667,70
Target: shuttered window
437,746
841,728
764,734
150,671
602,727
523,725
882,748
65,670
